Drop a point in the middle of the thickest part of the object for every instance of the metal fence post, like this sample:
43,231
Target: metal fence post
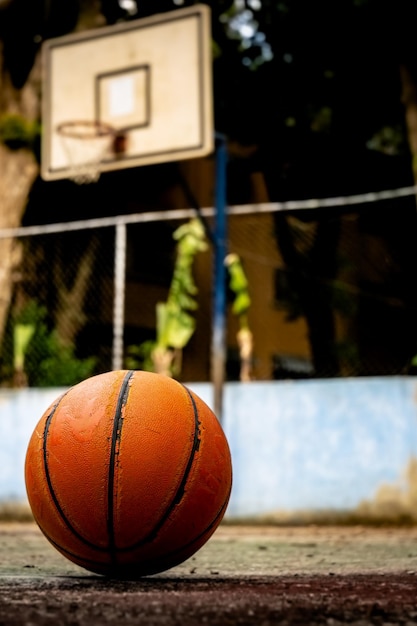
119,296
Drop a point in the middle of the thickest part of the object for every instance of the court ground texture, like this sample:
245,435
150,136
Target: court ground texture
257,574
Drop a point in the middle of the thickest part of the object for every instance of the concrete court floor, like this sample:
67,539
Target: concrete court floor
244,575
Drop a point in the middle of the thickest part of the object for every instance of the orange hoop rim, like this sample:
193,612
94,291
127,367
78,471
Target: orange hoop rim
93,129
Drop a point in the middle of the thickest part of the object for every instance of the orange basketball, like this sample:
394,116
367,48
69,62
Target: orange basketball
128,473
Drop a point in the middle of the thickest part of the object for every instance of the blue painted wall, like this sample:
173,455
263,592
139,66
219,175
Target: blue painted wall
19,412
296,446
317,445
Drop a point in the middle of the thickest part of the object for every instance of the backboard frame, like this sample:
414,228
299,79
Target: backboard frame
136,87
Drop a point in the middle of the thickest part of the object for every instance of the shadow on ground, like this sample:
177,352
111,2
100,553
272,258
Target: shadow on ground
263,575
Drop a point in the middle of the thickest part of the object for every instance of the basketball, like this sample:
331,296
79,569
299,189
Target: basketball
128,473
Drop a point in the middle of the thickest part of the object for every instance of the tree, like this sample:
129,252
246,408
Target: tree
18,170
341,120
23,25
309,286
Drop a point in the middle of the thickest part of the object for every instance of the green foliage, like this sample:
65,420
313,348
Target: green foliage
140,357
60,366
239,284
17,132
240,287
48,362
22,336
174,324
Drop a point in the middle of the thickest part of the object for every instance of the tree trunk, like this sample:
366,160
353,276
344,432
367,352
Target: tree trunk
409,100
18,171
70,316
311,274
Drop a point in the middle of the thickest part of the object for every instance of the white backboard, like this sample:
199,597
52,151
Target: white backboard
148,80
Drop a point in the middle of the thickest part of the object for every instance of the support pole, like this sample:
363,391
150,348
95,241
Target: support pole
218,349
119,296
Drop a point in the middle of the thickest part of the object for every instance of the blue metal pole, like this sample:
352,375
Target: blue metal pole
218,356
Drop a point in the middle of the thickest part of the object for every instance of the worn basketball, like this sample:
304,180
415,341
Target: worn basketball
128,473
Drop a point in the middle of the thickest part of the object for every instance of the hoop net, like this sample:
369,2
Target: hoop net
85,144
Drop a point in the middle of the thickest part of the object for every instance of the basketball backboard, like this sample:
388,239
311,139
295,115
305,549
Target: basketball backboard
136,93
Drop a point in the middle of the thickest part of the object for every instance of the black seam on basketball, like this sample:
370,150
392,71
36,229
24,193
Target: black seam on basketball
49,480
147,566
76,558
181,487
218,515
159,563
114,452
196,446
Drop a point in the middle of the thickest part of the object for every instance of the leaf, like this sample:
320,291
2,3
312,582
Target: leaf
186,302
174,326
238,280
161,323
179,334
242,303
22,335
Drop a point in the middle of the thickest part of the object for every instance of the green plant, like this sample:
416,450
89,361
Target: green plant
61,368
22,335
175,322
140,357
18,132
238,283
47,360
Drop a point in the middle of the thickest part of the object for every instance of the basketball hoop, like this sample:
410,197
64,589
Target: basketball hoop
85,144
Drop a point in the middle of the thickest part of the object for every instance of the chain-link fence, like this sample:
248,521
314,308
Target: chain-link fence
332,293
